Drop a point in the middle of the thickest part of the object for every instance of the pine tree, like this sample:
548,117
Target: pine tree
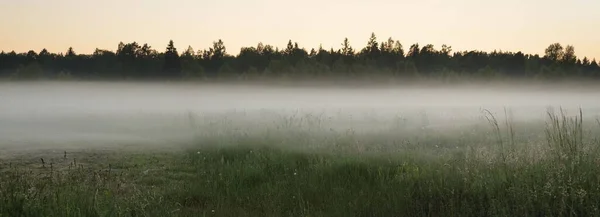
172,66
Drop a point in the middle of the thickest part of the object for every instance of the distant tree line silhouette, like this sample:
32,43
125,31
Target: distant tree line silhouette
387,58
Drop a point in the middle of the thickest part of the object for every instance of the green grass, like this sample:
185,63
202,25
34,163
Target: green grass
498,171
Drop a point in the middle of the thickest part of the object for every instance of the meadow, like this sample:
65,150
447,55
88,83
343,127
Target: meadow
409,161
302,165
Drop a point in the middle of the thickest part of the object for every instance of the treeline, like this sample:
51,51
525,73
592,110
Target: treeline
387,58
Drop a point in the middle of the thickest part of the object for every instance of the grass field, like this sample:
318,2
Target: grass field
297,167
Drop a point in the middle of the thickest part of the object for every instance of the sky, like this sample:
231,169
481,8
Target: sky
509,25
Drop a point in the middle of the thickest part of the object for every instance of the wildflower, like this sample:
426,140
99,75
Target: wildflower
581,193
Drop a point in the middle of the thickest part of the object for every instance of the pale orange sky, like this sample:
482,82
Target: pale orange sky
512,25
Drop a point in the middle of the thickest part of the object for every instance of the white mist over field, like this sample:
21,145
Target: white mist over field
42,114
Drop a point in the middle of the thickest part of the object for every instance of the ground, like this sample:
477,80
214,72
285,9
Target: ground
470,172
92,149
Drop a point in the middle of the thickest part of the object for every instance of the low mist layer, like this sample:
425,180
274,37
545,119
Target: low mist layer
39,115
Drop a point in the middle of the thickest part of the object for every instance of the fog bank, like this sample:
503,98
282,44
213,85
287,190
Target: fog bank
43,114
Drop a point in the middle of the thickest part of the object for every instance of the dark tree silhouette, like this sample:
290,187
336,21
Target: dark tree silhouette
371,51
555,52
386,58
70,52
347,49
172,66
569,55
